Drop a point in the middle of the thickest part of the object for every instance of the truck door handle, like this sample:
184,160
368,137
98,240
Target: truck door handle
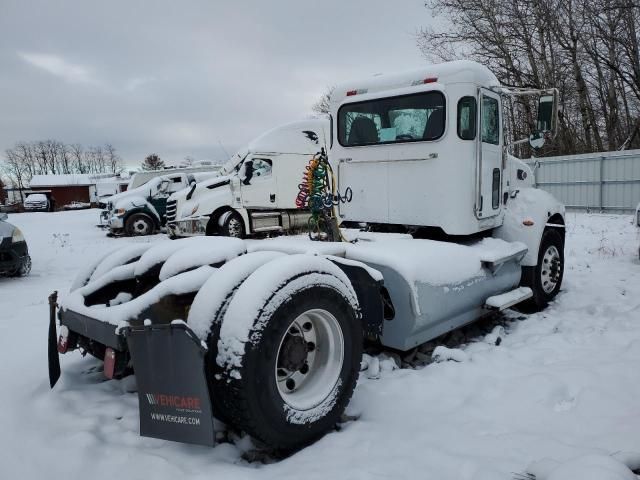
272,197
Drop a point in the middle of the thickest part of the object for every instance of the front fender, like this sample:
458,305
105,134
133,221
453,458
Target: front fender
525,219
137,204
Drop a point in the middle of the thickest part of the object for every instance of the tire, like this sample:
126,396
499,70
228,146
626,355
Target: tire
24,269
275,398
231,225
545,279
139,224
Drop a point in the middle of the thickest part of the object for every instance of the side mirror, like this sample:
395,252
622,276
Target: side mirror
546,122
546,114
3,216
164,186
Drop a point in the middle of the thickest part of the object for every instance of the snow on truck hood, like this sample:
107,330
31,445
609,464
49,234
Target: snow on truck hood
141,191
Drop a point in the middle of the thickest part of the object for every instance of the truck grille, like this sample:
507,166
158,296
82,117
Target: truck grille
171,210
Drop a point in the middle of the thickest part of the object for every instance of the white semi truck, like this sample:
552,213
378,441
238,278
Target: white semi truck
257,190
268,335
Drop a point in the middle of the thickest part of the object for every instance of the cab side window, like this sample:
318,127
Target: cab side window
262,167
490,121
467,118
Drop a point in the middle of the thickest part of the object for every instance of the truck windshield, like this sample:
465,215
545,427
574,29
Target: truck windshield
408,118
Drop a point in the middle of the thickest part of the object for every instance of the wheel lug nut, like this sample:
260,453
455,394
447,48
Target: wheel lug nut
304,369
307,326
291,384
311,346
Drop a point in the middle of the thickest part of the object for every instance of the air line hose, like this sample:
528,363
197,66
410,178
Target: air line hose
317,192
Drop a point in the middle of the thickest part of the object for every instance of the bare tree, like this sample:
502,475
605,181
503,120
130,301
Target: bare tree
588,49
113,160
323,105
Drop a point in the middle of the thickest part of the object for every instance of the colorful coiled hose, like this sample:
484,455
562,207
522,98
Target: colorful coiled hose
317,193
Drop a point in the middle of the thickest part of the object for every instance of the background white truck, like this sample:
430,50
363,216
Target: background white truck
268,335
257,189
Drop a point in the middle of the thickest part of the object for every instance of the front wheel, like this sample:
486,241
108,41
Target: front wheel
231,225
24,269
139,224
298,372
545,278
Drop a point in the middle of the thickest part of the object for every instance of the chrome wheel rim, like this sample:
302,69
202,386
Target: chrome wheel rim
234,228
550,269
310,358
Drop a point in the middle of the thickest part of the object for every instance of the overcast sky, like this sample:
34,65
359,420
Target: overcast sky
182,77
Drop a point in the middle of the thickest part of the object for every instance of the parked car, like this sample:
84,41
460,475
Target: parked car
37,202
14,254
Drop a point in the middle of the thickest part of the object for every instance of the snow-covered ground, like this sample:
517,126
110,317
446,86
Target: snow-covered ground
560,385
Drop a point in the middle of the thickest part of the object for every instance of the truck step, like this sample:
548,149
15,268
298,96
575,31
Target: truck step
274,228
508,299
265,214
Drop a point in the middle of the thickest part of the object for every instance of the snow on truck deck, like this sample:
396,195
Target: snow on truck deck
559,391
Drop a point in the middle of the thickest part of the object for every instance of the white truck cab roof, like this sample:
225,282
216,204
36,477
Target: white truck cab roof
304,137
459,71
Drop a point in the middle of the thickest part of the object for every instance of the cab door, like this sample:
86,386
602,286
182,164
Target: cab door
257,183
489,181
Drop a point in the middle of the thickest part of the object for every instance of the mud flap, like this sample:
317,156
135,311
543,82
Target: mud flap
52,342
173,396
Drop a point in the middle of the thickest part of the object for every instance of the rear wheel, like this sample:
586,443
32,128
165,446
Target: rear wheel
298,372
545,279
139,224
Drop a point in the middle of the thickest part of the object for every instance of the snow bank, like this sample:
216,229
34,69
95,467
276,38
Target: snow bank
588,467
264,291
480,420
216,250
442,354
217,290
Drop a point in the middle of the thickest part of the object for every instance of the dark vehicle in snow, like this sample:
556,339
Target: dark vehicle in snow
14,253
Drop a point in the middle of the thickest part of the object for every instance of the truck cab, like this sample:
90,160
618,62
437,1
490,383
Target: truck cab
426,148
258,188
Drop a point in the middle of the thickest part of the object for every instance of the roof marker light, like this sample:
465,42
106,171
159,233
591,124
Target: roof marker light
430,80
359,91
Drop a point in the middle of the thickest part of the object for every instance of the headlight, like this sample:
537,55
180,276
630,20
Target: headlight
17,236
195,208
120,212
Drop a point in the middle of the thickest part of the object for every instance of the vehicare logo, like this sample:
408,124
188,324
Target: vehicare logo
176,401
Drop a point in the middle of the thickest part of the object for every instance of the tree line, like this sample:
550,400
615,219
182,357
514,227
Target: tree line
27,159
588,49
